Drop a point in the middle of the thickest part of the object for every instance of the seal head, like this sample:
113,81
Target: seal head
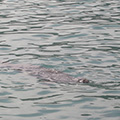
83,80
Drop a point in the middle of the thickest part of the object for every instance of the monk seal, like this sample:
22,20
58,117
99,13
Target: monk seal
45,73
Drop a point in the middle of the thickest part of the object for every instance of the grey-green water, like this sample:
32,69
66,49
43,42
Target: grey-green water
79,37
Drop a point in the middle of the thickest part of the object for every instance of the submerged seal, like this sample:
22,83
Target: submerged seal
45,73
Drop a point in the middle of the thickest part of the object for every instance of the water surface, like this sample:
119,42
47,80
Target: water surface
81,38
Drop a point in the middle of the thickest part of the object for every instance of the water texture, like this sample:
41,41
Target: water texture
81,38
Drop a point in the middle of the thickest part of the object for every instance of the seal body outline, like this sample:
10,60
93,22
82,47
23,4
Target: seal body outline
45,73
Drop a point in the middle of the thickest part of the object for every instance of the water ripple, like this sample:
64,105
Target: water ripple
34,99
81,38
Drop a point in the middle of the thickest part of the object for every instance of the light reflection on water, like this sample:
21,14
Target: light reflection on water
81,38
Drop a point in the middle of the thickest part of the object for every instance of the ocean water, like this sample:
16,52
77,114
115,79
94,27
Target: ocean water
80,38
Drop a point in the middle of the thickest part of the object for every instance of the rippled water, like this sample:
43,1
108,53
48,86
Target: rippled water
81,38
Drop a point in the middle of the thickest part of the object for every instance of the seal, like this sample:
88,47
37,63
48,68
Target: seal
45,74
